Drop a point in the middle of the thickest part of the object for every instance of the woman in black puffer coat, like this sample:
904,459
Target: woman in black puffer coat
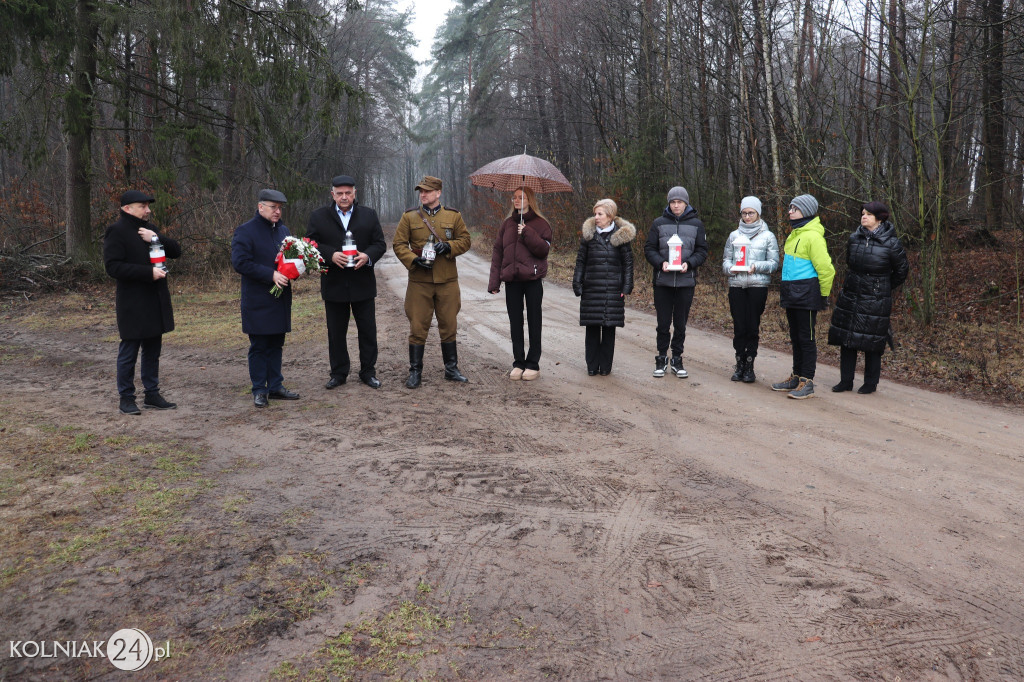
603,277
876,265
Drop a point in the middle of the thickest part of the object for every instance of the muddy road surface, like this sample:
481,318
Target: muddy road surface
620,527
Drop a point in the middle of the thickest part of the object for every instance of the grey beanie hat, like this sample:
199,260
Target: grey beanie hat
679,193
752,203
807,204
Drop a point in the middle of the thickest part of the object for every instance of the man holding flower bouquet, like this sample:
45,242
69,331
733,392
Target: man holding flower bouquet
349,286
266,318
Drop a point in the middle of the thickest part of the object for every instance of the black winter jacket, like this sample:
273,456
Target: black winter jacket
604,272
690,229
877,264
143,304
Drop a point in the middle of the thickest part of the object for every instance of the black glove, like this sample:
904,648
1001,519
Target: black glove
422,262
442,248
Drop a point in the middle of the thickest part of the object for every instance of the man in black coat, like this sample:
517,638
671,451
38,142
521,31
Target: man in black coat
132,256
350,285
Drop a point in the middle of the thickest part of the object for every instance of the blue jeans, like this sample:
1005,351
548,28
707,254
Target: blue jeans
265,362
127,354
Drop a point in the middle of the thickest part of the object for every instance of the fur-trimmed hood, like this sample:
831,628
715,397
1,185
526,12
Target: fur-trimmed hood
625,233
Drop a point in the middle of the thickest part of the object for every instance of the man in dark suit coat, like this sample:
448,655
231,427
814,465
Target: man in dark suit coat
265,318
349,287
144,312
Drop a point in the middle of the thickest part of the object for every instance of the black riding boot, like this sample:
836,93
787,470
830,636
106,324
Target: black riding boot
450,355
415,366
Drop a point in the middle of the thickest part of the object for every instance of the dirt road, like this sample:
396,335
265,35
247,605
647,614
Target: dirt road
619,527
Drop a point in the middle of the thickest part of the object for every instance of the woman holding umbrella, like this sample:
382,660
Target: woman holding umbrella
520,260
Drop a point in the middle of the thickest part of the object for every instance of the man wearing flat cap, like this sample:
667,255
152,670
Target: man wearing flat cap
265,318
349,288
143,300
433,287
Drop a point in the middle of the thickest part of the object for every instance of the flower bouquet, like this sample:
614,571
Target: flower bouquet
297,257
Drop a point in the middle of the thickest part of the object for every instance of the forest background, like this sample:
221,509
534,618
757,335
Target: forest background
915,103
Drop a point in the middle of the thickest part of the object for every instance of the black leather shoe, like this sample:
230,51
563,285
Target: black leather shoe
128,406
155,401
260,399
334,382
604,372
591,372
283,394
866,388
371,381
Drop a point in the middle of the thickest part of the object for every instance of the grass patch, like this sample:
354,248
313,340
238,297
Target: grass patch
69,496
211,319
394,643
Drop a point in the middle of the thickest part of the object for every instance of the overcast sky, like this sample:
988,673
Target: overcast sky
429,15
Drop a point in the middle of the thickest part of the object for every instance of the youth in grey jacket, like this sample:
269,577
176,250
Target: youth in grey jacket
763,254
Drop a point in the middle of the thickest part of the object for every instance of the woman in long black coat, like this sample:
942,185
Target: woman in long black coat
876,265
603,278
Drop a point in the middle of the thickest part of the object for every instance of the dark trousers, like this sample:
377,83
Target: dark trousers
848,364
805,346
127,353
532,293
600,347
672,305
747,305
365,315
265,352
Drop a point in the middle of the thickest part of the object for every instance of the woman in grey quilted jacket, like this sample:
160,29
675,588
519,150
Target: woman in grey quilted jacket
748,284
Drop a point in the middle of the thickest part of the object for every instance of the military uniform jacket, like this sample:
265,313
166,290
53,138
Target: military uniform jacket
325,228
412,234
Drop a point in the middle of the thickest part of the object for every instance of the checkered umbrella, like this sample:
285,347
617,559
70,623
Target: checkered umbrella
512,172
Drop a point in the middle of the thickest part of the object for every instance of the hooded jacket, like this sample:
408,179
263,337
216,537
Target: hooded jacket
143,304
877,264
520,257
807,270
763,254
690,229
604,273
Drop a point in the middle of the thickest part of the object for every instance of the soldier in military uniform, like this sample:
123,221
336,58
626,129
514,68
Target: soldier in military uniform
433,286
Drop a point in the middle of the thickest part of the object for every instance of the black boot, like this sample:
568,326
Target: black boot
748,371
737,373
450,355
415,366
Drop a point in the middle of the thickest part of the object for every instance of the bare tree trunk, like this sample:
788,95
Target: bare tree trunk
79,121
769,81
862,122
992,108
794,98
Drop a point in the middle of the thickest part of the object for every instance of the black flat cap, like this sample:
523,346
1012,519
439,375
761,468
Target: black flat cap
272,195
134,196
343,181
